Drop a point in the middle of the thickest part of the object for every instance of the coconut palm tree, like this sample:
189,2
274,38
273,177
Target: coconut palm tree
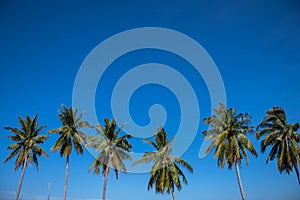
69,136
113,150
165,173
26,146
229,141
283,139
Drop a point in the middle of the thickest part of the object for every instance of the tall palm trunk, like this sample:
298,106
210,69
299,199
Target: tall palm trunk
173,194
67,176
239,180
21,178
105,179
297,172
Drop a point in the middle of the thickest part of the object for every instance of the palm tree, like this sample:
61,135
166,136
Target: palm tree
113,150
283,139
69,136
229,141
165,172
26,146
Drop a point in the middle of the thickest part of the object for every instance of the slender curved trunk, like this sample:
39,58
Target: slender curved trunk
67,176
105,179
173,194
297,172
239,180
21,178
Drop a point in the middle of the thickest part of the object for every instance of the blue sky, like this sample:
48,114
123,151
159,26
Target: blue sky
255,45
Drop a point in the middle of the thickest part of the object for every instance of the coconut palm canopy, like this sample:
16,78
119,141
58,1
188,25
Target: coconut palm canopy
228,131
27,142
282,138
166,173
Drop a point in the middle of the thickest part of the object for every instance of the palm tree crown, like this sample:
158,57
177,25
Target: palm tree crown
113,150
228,131
26,146
69,133
165,173
283,139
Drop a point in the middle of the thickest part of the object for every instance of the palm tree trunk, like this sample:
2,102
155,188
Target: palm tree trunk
173,194
67,176
297,172
105,179
239,180
105,185
21,178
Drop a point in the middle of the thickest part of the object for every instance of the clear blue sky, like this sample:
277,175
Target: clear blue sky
255,45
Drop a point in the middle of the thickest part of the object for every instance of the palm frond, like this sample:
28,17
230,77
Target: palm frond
12,154
148,157
185,164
